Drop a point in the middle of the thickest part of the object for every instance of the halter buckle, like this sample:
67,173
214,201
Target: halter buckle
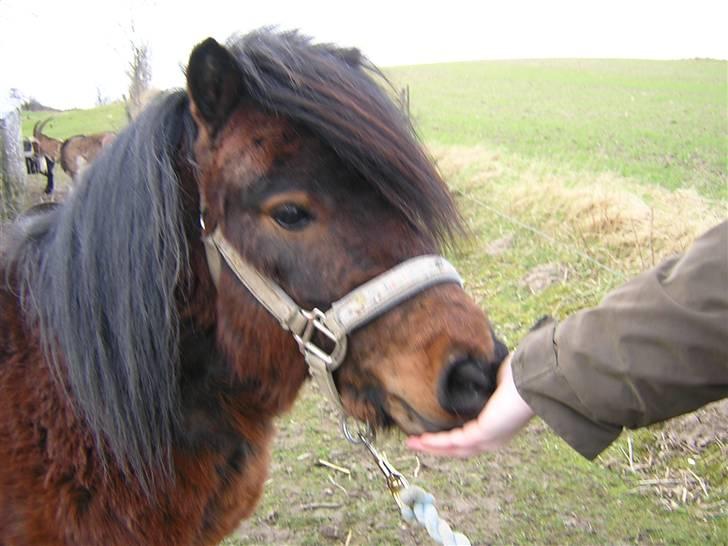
315,322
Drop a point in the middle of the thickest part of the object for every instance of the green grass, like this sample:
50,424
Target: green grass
555,496
534,143
564,499
110,117
662,122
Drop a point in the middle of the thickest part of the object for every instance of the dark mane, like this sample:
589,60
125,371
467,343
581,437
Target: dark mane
106,264
334,92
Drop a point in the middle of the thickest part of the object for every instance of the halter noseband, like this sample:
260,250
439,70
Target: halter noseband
357,308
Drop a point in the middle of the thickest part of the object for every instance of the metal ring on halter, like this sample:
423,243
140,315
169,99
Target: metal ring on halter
355,438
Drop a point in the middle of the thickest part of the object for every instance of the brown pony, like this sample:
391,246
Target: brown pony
80,150
138,395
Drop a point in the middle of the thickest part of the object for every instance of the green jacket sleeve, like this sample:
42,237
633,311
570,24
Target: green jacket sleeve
653,349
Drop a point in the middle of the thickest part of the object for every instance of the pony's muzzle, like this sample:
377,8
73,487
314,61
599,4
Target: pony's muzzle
467,382
464,387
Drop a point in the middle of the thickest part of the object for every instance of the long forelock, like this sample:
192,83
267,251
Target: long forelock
341,97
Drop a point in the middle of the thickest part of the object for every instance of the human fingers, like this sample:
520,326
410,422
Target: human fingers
465,440
450,451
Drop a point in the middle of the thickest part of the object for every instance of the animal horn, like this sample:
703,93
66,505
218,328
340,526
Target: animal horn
40,125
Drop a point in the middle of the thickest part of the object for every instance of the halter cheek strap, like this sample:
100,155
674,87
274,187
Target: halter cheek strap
357,308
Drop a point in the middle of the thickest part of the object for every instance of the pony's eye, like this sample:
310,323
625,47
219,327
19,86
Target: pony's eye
290,216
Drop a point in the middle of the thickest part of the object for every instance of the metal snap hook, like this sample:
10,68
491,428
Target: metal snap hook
365,432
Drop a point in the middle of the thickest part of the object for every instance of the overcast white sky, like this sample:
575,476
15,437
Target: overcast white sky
61,51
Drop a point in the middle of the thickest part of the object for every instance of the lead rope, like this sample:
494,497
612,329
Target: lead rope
419,506
415,504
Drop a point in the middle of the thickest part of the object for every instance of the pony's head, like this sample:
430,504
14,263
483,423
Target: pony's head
315,177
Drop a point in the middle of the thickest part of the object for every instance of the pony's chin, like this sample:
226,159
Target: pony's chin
412,422
389,411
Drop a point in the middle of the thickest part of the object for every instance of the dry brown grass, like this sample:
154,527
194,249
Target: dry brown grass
637,225
682,462
629,225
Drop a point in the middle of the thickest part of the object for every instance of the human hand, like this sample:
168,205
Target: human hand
503,416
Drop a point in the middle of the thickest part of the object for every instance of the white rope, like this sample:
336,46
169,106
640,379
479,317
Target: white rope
415,503
418,505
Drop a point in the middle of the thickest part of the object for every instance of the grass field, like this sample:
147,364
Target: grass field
659,122
572,176
62,125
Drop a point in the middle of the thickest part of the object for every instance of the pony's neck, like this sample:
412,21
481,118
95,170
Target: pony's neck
243,367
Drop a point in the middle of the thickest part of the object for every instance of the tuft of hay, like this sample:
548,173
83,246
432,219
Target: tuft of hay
632,226
629,225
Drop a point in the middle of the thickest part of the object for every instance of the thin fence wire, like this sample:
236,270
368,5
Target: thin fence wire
540,233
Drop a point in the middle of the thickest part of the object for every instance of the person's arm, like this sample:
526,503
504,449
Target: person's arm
655,348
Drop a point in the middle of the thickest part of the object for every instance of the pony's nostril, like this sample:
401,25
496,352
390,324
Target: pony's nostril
464,387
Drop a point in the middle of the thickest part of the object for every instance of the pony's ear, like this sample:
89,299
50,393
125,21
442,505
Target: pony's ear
351,56
214,84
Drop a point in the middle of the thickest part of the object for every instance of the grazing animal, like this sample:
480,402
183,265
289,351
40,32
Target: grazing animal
80,150
47,148
138,394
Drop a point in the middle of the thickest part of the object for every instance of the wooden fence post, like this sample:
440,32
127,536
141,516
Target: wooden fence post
404,100
12,167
